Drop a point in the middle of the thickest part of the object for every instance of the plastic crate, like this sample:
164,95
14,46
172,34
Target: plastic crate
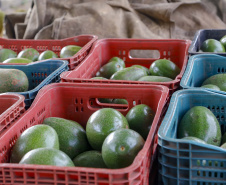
77,102
200,67
12,106
39,74
203,35
85,41
188,162
103,50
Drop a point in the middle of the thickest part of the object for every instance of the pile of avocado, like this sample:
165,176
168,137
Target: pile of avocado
199,124
213,45
161,70
110,140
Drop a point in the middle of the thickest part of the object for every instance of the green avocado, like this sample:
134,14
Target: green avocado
37,136
130,73
99,78
140,119
155,79
120,101
72,136
223,41
47,156
121,147
47,55
6,54
163,67
223,146
219,80
13,80
200,122
18,60
101,123
115,64
29,53
194,139
69,51
212,45
142,67
92,159
211,86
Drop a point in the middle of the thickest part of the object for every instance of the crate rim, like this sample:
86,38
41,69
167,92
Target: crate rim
169,116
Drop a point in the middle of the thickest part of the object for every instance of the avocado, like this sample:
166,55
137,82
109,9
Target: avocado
120,101
6,54
223,146
163,67
223,140
37,136
46,156
17,60
92,159
155,79
200,122
130,73
47,55
223,41
105,100
121,147
219,80
140,119
72,136
212,45
142,67
101,123
69,51
13,80
194,139
115,64
99,78
211,86
29,53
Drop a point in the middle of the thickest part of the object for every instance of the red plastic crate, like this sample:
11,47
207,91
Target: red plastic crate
85,41
103,50
11,107
77,102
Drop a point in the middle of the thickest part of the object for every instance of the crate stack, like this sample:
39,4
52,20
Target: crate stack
184,162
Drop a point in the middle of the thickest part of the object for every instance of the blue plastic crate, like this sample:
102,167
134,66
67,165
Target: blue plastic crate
39,74
200,67
187,162
201,36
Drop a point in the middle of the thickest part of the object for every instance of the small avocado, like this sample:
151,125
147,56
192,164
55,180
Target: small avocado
142,67
223,41
18,60
13,80
194,139
155,79
114,64
200,122
69,51
72,136
140,119
211,86
47,156
212,45
101,123
47,55
163,67
6,54
37,136
29,53
129,73
92,159
121,147
120,101
219,80
105,100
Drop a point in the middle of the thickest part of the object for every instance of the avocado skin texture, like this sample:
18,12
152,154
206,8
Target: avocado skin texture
194,139
37,136
92,159
219,80
47,156
29,53
18,61
120,101
223,41
140,119
155,79
223,146
47,55
101,123
6,54
200,122
115,64
212,45
121,147
142,67
211,86
69,51
129,73
163,67
72,136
